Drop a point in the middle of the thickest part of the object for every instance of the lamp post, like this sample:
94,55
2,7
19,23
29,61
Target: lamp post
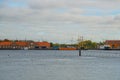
80,39
79,52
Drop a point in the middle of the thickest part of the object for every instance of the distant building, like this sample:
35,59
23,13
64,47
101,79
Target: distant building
20,44
114,44
105,47
42,45
6,44
16,45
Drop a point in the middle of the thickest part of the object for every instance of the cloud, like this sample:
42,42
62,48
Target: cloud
60,19
104,4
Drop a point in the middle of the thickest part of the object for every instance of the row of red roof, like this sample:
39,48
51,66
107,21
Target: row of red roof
112,41
22,43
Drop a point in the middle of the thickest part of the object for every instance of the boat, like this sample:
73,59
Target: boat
67,48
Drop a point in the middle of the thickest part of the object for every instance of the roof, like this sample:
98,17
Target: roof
5,43
112,41
21,43
42,44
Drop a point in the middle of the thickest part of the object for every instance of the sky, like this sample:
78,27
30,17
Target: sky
60,21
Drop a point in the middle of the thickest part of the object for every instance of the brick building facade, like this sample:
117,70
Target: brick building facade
114,44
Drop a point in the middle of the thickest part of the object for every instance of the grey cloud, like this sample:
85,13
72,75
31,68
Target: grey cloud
117,18
103,4
43,4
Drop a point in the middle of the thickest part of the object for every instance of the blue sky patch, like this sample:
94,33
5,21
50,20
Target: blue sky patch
16,4
115,12
92,11
61,10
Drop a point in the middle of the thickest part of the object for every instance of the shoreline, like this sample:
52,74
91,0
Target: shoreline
60,49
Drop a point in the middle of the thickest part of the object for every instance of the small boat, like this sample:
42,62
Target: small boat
67,48
25,48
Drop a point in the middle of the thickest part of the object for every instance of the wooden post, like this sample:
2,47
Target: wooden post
79,52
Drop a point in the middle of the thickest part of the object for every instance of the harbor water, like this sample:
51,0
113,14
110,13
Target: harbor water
59,65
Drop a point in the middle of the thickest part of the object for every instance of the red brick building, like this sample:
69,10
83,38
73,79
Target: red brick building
114,44
6,44
42,45
16,45
24,44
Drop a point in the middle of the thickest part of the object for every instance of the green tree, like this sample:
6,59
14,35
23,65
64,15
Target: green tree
51,44
87,44
101,43
55,44
7,40
63,45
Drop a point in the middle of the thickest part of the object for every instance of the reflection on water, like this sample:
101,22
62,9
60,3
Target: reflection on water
59,65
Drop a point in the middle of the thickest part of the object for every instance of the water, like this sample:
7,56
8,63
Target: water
59,65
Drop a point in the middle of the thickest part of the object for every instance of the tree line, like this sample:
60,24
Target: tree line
86,44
